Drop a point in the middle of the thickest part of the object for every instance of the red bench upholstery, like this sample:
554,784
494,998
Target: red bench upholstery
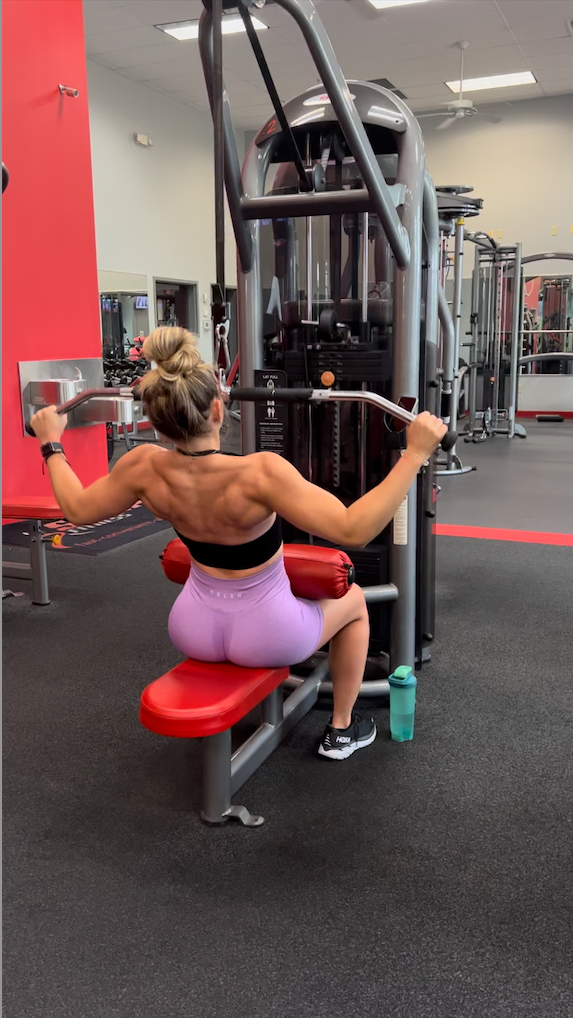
314,572
31,507
38,509
196,698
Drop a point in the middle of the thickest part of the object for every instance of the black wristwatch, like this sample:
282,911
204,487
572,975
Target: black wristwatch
50,448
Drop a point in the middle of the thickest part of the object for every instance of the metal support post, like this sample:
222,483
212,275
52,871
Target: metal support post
406,381
453,464
515,344
216,777
474,347
272,708
40,592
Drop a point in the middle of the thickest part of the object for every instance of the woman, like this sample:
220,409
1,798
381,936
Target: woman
237,604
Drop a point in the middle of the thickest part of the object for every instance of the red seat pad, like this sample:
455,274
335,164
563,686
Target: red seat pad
31,507
198,698
314,572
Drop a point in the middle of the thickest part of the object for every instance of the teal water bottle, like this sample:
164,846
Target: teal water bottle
402,704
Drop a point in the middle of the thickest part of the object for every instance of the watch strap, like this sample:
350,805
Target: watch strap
50,449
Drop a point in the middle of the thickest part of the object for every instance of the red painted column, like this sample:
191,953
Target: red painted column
50,289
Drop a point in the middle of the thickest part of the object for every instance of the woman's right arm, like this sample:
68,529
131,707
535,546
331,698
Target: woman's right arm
317,512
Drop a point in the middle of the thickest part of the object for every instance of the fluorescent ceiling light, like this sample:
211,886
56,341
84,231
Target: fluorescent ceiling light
183,30
381,4
494,81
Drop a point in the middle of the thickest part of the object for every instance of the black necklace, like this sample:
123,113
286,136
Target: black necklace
204,452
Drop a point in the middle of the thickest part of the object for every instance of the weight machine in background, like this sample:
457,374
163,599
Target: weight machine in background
495,345
511,335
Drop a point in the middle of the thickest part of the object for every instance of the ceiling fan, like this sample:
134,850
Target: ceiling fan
460,107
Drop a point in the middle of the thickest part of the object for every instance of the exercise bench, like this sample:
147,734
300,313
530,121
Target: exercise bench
39,510
198,700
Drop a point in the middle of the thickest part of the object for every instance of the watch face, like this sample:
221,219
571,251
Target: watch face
51,447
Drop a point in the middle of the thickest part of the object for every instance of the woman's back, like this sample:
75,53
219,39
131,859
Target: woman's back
209,499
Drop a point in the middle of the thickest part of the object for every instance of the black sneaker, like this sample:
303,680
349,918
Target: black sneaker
340,743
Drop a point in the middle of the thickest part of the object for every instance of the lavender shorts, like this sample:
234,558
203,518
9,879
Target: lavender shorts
256,622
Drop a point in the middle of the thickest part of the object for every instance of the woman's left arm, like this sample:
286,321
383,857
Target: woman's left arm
108,496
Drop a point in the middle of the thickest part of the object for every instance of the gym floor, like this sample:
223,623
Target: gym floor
427,880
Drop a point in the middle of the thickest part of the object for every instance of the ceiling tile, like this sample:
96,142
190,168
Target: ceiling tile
559,87
126,39
547,29
148,72
153,12
431,92
446,21
447,48
548,60
542,46
132,58
243,88
172,83
531,19
98,18
558,72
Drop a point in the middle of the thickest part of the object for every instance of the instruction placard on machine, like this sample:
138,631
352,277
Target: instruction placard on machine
401,524
271,417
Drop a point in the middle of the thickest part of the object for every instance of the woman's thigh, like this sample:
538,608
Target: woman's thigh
343,611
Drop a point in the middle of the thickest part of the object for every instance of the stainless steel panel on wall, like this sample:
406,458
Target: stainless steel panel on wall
76,375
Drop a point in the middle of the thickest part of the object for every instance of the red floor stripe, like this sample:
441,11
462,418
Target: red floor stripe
495,534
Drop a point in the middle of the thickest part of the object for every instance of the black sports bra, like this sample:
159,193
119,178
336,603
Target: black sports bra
234,556
237,556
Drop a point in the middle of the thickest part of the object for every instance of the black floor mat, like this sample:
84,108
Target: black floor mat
130,526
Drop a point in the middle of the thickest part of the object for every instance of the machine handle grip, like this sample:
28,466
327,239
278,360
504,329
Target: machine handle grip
82,397
449,440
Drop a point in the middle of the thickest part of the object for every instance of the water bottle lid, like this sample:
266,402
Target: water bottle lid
403,673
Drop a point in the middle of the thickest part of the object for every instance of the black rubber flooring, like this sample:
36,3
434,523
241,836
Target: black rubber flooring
426,880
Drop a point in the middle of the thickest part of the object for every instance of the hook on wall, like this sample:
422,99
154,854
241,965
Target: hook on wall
66,90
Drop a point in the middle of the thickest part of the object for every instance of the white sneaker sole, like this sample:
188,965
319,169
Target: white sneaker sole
346,751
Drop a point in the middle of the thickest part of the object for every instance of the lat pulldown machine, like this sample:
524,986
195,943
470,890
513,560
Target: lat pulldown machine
337,230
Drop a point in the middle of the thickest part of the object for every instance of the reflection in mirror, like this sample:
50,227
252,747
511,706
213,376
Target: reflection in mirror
124,321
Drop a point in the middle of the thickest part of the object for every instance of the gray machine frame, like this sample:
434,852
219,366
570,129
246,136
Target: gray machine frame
248,204
493,266
455,206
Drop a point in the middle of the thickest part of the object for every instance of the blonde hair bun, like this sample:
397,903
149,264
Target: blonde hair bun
174,351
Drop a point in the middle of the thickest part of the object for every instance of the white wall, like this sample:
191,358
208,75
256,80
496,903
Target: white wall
154,207
522,167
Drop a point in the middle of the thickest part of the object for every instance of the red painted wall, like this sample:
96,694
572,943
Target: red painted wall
50,289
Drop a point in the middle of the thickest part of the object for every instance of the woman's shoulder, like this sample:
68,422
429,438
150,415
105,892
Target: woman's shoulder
141,457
